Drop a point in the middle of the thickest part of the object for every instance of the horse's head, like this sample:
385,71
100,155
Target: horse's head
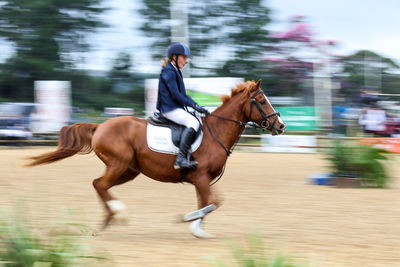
259,110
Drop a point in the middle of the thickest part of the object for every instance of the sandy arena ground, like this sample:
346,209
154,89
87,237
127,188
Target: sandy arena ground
268,193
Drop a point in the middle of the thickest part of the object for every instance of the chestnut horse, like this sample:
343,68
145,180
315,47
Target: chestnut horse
121,144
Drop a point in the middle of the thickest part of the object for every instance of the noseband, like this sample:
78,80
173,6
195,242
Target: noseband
264,122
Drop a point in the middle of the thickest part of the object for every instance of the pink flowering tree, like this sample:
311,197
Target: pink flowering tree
291,58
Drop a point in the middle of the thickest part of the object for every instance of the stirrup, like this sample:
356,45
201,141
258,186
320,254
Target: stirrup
182,164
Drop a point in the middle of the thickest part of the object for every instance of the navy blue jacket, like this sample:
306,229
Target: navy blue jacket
171,90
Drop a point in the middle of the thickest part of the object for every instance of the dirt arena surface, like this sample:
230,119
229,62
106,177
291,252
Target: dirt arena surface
267,193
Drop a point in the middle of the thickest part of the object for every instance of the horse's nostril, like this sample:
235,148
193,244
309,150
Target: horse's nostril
282,126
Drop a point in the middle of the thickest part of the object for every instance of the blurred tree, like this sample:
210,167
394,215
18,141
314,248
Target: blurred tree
204,26
125,85
290,77
43,32
237,27
245,24
246,36
157,26
121,66
367,70
391,83
289,62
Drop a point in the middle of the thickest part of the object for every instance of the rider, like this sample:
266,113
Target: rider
172,101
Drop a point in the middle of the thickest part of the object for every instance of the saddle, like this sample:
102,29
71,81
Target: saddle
164,135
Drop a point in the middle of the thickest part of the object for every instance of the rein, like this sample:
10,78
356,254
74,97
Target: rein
228,152
240,123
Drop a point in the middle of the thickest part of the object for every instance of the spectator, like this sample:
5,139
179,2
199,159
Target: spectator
369,97
373,120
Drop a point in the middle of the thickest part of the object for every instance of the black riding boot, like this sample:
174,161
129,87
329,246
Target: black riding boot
182,160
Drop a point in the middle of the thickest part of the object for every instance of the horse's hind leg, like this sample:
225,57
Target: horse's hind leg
115,174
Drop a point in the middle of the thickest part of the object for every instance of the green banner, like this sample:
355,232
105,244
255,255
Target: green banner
204,99
298,118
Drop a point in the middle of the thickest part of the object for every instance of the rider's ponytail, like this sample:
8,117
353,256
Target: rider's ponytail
165,61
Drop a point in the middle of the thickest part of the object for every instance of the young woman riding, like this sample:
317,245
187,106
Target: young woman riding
173,101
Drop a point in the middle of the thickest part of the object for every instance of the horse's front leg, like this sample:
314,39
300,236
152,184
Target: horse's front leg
203,191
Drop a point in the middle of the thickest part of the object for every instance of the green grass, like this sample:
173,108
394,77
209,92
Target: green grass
21,247
252,254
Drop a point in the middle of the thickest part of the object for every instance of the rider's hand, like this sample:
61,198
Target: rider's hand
201,109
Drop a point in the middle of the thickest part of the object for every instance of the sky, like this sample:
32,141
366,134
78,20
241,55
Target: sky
353,24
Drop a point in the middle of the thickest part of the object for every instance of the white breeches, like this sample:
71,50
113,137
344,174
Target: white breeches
182,117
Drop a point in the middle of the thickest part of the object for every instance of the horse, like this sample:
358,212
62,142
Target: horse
120,143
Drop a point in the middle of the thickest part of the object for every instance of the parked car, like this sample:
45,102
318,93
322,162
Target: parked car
15,120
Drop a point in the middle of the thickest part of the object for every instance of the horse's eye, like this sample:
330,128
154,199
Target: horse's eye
262,102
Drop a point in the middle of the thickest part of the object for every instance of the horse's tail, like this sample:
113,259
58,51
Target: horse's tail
76,138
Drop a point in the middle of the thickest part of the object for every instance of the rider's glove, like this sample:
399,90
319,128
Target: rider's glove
201,109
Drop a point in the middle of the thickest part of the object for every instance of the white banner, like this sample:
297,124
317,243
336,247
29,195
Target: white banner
289,143
54,105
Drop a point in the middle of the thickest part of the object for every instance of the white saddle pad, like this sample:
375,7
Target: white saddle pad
159,139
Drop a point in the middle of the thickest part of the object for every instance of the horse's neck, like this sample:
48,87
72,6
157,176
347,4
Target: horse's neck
227,131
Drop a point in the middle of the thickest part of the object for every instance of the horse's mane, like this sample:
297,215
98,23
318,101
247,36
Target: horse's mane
246,87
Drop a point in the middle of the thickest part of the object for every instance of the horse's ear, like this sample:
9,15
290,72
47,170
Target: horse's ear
258,84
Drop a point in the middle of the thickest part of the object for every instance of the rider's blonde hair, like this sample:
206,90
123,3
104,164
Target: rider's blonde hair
165,61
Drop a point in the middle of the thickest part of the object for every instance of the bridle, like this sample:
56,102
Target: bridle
265,124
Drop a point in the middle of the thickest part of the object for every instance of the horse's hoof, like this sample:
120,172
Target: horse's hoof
198,231
199,214
120,218
179,219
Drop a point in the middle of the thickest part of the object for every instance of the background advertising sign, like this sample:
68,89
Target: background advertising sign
298,118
